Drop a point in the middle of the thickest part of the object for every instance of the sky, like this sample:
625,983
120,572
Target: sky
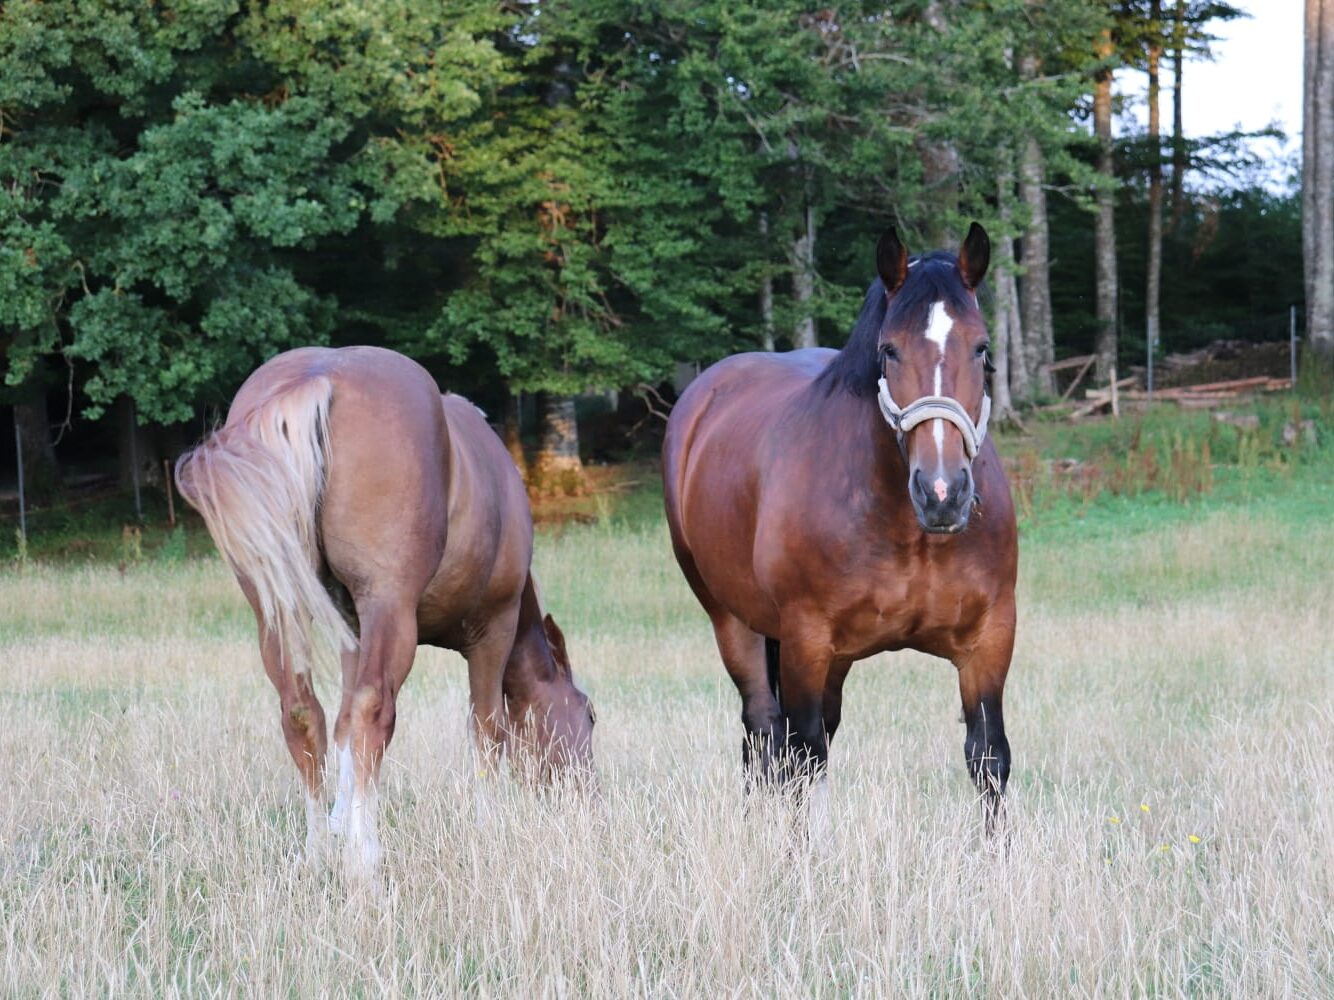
1256,76
1254,79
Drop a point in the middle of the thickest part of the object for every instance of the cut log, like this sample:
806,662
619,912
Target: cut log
1236,383
1061,365
1105,393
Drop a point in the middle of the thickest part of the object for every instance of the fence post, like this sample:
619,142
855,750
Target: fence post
1148,380
1292,343
171,502
18,456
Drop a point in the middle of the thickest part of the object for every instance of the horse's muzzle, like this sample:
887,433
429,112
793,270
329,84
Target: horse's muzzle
942,507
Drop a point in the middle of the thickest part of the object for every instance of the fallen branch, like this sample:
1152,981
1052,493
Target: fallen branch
1079,377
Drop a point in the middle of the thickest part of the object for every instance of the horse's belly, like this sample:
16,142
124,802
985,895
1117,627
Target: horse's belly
725,566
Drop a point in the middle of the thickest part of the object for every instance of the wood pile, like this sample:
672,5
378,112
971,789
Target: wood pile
1107,398
1205,395
1219,350
1189,397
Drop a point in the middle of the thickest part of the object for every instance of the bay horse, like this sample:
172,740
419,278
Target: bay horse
818,521
356,503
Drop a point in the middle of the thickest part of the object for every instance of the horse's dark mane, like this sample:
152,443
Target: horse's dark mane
932,278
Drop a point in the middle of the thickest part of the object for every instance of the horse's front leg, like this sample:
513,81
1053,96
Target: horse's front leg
803,668
982,669
487,658
805,659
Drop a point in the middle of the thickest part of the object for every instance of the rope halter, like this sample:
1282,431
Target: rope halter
904,419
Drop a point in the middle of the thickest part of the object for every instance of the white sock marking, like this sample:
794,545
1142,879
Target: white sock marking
343,796
362,849
356,818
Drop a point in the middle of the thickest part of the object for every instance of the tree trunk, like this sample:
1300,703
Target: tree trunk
1002,404
135,447
803,280
41,471
766,291
1318,176
557,470
1152,292
1035,306
1178,135
1010,382
511,427
940,183
940,166
1104,230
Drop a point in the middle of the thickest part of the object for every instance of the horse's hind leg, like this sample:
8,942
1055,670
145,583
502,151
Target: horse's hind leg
743,653
982,669
303,728
343,745
366,722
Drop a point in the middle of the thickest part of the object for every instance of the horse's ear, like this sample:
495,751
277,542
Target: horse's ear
891,260
974,256
556,640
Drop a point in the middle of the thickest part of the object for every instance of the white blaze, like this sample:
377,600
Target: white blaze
938,332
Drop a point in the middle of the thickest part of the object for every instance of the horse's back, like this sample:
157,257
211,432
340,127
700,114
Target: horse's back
735,400
486,559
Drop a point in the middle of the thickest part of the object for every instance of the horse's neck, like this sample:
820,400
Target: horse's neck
855,425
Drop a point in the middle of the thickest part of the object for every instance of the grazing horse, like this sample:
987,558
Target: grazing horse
829,505
353,501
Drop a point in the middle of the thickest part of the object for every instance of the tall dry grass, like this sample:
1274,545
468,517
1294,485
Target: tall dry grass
1171,828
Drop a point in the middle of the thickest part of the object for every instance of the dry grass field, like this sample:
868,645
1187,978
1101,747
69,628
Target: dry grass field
1171,711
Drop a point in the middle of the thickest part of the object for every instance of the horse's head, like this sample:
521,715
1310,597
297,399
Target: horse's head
542,699
933,362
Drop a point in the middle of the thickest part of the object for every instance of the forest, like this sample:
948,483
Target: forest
541,200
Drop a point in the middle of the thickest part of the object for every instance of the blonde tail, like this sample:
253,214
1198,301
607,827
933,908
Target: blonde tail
258,484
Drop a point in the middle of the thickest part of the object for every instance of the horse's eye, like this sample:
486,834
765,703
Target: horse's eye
981,351
888,352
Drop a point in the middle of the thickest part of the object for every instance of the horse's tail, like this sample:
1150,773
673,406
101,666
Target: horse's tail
771,664
258,484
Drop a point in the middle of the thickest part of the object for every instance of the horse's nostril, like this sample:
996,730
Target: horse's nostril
919,486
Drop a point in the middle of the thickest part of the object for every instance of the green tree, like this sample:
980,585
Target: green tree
174,173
